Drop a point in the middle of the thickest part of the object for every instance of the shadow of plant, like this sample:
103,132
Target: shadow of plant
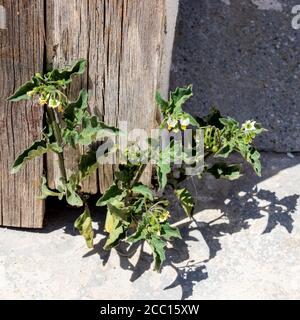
239,209
239,203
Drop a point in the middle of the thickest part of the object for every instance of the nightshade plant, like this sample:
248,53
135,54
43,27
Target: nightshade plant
135,212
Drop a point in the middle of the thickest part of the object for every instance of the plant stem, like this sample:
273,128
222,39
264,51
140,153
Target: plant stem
138,174
58,138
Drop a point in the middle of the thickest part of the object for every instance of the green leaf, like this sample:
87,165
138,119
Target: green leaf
168,232
140,233
107,131
88,164
21,93
158,247
126,172
229,122
162,173
73,117
138,206
116,209
222,170
55,147
252,156
111,194
72,197
94,130
193,121
67,73
118,233
255,161
74,112
161,102
186,200
84,226
224,152
140,188
46,192
70,137
180,96
163,165
37,149
109,222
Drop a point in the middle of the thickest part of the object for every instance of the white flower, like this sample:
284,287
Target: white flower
249,126
53,103
184,122
172,123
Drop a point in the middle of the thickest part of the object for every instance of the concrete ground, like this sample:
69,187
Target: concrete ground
245,244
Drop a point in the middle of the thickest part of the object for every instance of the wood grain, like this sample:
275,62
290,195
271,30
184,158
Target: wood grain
67,34
21,55
123,42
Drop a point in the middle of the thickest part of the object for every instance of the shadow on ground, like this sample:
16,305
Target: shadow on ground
238,203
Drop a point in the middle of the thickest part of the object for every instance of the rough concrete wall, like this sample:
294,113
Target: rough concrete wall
244,57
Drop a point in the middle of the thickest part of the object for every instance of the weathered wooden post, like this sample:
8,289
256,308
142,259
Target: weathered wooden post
127,45
21,54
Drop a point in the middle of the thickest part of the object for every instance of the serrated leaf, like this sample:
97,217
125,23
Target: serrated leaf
186,200
180,96
229,122
161,102
111,194
109,222
84,226
107,131
21,92
55,147
46,192
252,156
72,197
70,137
162,173
140,188
115,209
192,120
168,232
255,161
126,172
88,164
67,73
163,165
94,130
139,235
225,171
158,248
37,149
117,233
74,113
138,205
224,152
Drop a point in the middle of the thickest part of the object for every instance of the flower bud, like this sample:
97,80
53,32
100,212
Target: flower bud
53,103
164,216
43,101
30,93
